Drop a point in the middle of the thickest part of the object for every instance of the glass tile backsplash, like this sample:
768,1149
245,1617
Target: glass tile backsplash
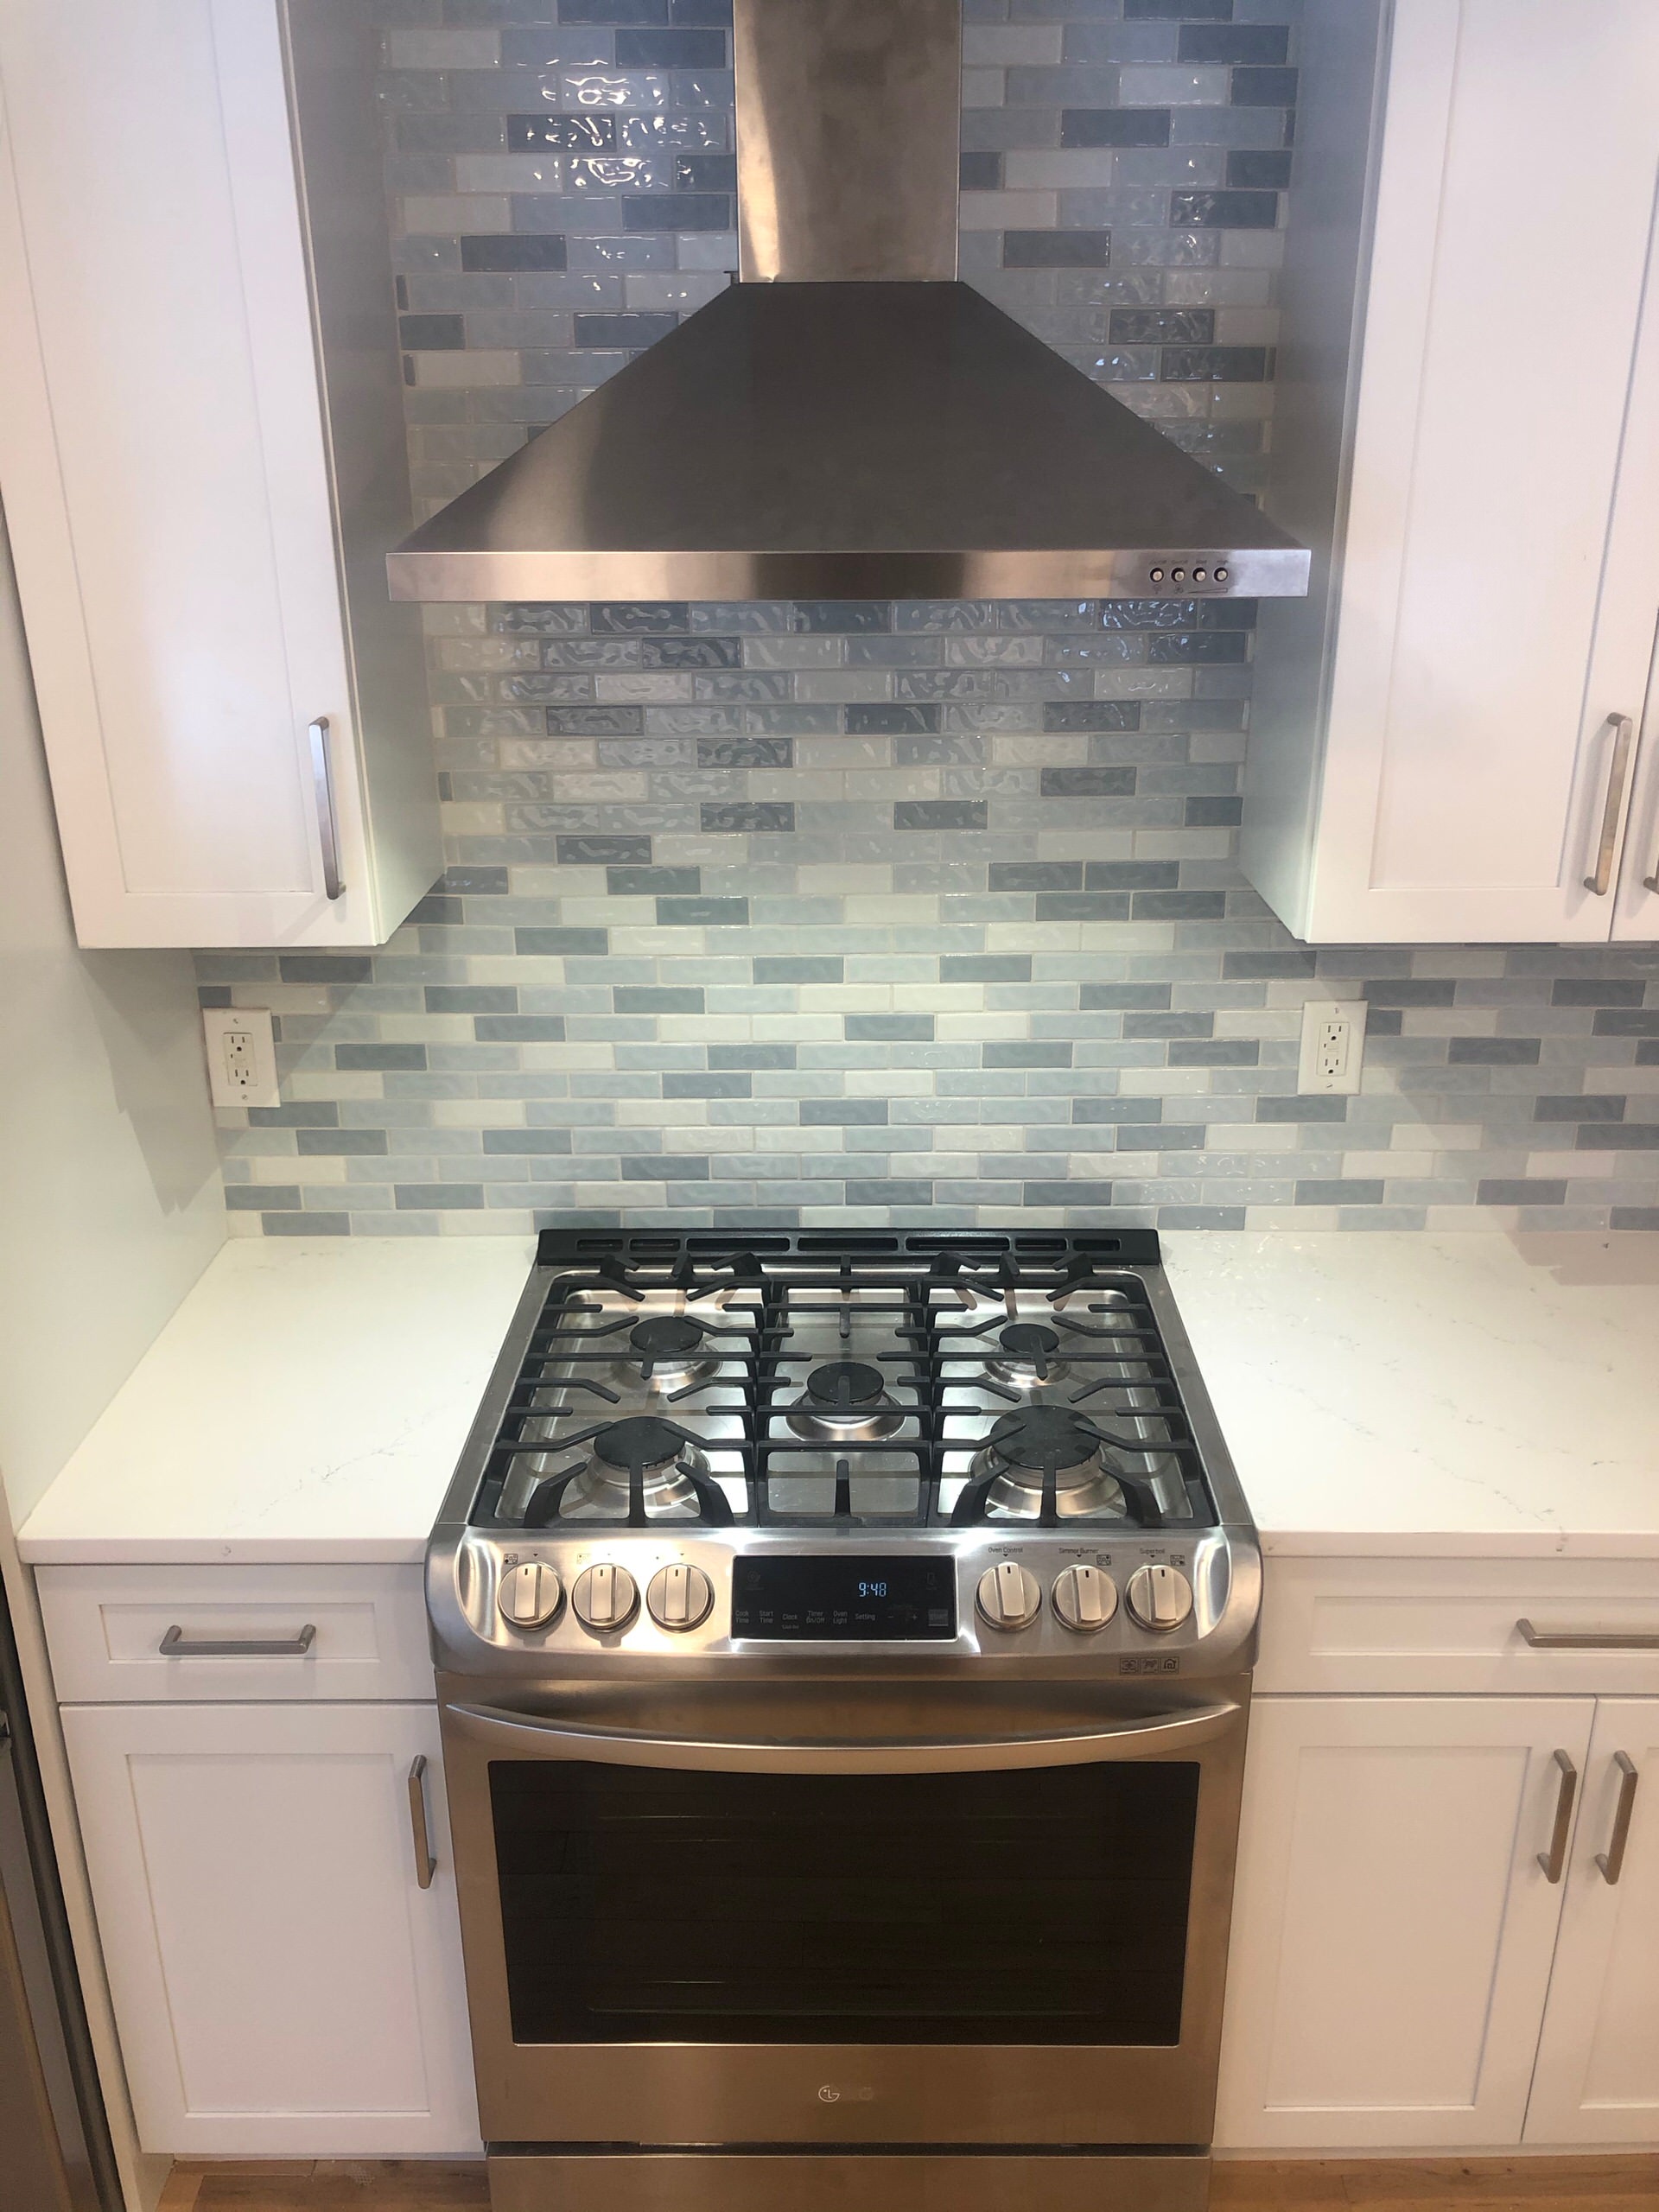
923,912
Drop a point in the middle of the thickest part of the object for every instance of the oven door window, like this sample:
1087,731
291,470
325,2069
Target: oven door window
645,1905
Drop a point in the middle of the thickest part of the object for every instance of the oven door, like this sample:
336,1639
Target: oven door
823,1917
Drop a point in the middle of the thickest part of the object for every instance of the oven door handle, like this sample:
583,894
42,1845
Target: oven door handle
1158,1735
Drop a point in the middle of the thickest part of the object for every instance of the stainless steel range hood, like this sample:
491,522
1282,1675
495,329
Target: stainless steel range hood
848,421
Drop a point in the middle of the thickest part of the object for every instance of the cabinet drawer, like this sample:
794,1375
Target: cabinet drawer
105,1627
1444,1625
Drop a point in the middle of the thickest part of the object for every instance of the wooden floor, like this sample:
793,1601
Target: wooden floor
1577,2184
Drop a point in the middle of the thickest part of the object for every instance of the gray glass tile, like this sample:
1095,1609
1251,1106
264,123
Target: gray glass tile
924,689
703,913
939,814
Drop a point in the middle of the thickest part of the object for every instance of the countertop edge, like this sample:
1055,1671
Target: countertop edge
1457,1543
221,1551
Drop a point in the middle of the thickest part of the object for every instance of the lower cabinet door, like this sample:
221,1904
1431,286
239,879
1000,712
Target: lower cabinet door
1597,2078
283,1984
1393,1927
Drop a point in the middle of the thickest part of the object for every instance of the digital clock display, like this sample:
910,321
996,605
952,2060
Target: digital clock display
843,1600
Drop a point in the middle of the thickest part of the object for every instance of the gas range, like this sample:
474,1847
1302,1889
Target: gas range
950,1449
792,1589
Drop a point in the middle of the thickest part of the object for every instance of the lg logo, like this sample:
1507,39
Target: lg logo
832,2094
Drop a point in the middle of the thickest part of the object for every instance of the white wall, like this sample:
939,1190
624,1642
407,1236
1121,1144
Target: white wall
111,1206
109,1199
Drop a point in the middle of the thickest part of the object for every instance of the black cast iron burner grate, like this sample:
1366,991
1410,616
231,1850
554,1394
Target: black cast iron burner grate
918,1320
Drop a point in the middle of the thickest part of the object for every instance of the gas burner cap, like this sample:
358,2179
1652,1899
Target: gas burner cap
671,1350
1037,1435
844,1383
845,1400
1024,1445
1026,1356
656,1447
640,1442
664,1334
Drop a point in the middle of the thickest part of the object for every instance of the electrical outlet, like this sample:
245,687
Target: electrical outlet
1333,1045
241,1056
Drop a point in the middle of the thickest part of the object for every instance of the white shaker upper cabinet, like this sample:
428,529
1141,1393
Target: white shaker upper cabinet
1453,738
203,465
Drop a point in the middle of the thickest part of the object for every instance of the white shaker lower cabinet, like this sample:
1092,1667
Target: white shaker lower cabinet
1598,2079
283,1984
1393,1930
203,465
1447,737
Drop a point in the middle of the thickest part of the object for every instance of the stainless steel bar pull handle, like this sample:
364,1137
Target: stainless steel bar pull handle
1586,1639
1611,1861
322,786
425,1865
1553,1861
173,1646
1623,730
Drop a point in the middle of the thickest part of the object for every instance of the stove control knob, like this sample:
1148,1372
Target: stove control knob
1084,1599
530,1596
680,1598
1007,1596
605,1598
1159,1597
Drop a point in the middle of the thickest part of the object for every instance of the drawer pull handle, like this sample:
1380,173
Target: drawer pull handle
1611,1861
173,1646
1623,730
322,787
1553,1861
425,1865
1587,1639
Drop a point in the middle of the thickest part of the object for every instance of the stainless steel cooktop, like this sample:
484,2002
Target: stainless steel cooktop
946,1449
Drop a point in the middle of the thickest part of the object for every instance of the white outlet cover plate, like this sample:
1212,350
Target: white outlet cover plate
1315,1014
219,1023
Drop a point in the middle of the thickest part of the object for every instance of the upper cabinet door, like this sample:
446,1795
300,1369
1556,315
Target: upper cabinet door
1482,633
1597,2077
196,589
1634,550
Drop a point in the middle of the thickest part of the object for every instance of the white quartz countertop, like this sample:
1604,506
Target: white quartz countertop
1383,1393
308,1400
1469,1396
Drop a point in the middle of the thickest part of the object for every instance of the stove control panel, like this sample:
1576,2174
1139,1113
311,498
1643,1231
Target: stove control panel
840,1597
1135,1602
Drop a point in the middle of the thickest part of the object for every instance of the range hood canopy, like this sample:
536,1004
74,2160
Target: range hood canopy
848,421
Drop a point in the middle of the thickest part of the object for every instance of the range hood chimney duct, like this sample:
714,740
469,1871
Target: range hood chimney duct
848,123
848,420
